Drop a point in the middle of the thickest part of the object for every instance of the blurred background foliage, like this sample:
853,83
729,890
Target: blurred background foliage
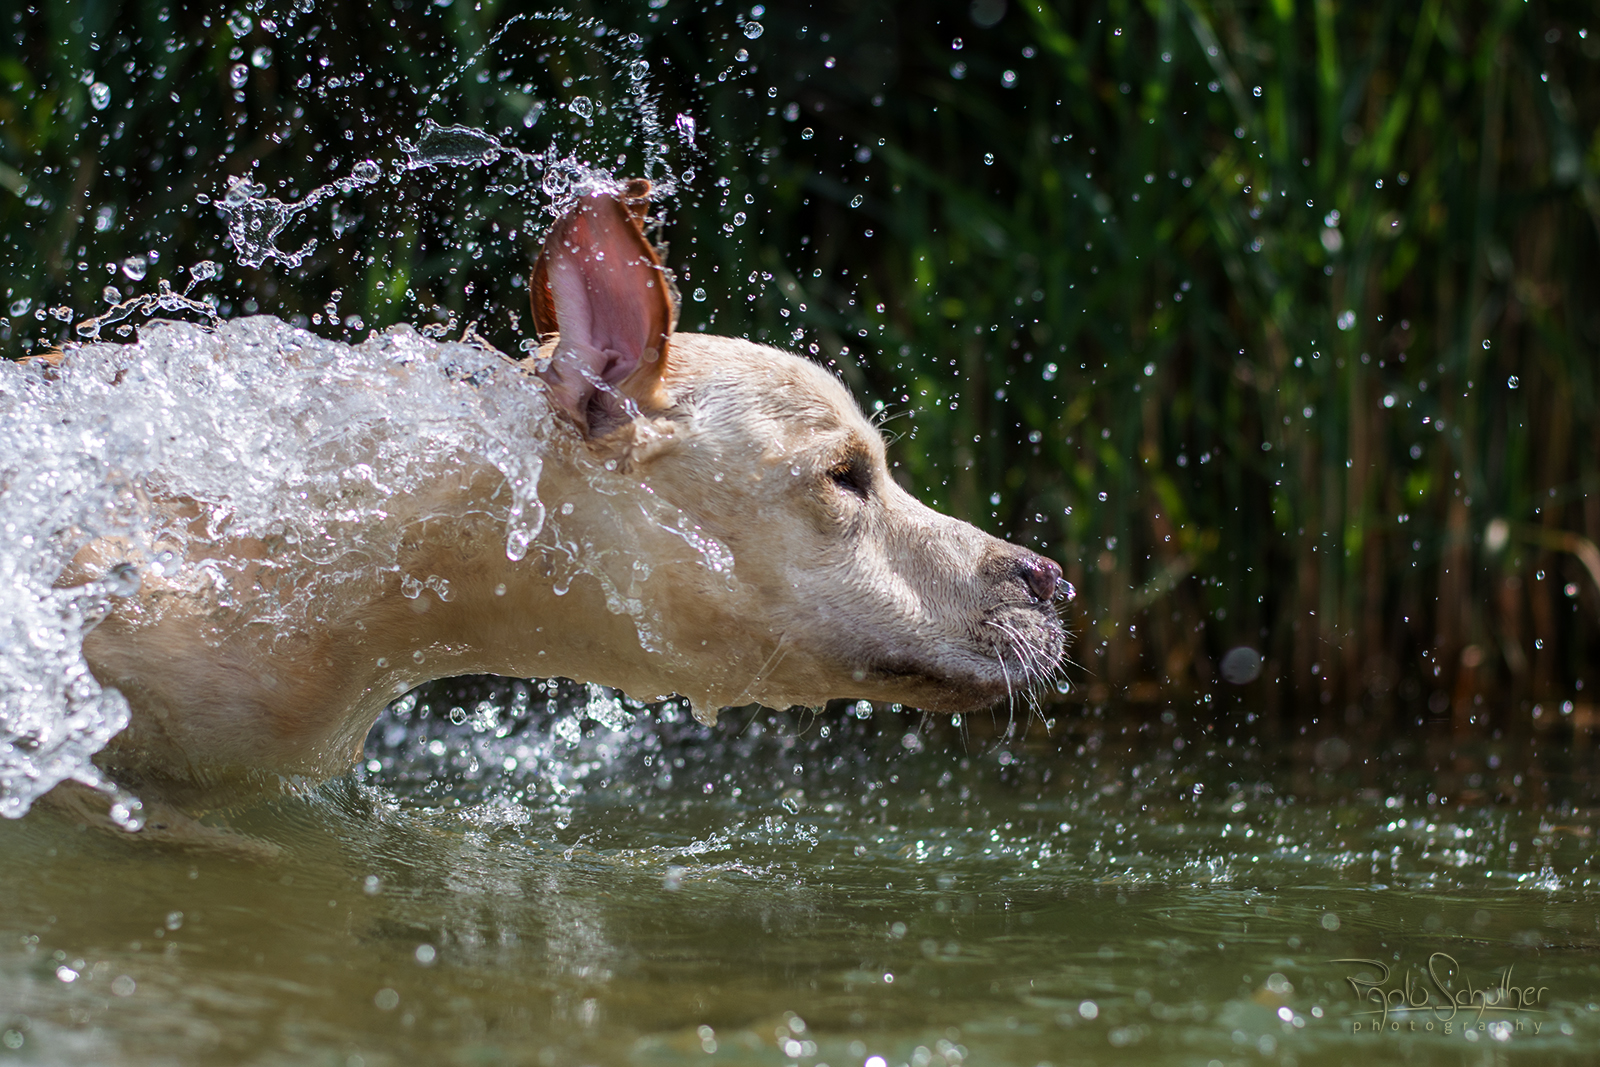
1275,323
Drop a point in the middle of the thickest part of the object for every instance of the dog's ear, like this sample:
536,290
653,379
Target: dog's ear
600,291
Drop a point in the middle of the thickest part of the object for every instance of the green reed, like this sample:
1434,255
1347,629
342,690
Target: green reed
1275,323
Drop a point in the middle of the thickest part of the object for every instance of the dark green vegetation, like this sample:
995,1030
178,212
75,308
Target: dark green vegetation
1275,323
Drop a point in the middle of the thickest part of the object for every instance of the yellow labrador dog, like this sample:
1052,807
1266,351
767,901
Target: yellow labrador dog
825,579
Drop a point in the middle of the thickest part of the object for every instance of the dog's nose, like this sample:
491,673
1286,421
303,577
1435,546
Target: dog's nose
1042,576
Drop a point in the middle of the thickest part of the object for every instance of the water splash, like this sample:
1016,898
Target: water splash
283,435
54,716
471,61
164,299
456,146
280,437
255,220
221,407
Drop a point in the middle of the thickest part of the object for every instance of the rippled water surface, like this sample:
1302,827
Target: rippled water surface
521,877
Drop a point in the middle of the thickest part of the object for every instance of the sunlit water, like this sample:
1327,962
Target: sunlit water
499,884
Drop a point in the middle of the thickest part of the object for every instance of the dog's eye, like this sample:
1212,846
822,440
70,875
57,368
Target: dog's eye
854,475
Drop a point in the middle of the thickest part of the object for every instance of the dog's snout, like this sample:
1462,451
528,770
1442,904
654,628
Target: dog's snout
1042,576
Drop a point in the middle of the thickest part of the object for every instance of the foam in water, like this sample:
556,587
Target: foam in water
281,436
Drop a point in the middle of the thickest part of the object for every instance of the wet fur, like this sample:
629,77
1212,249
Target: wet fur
843,584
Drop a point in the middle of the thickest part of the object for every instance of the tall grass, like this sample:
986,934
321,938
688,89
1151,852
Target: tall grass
1275,323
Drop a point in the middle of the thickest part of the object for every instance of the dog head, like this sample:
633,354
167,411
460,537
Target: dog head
845,585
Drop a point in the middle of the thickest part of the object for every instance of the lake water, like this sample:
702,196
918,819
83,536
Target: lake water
512,887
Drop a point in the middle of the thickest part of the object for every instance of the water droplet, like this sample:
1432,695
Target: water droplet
988,159
135,267
807,133
583,107
237,76
1512,382
21,306
1347,320
684,124
111,294
638,69
857,200
204,270
239,23
753,29
1241,665
445,146
261,58
700,295
739,218
100,96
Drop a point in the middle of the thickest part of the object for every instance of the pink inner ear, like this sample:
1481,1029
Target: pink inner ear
609,299
604,317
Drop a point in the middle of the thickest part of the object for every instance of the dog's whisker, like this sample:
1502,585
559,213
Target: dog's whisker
773,659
